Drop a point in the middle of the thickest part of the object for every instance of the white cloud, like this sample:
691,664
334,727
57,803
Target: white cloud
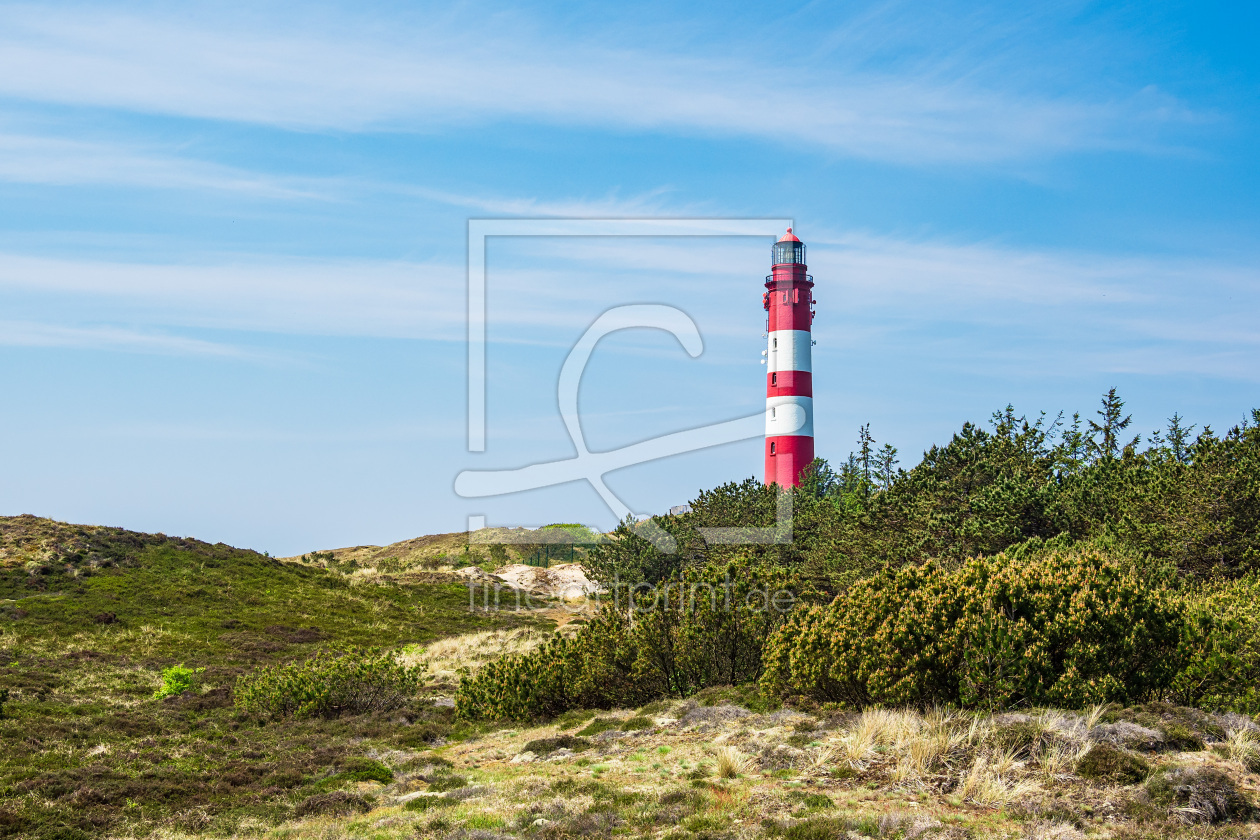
347,74
318,297
611,206
44,159
974,304
34,334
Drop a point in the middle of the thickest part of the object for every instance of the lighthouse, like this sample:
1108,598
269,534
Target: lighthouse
789,303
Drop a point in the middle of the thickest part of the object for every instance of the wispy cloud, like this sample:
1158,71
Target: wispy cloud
112,338
45,159
611,206
299,296
347,74
966,304
949,299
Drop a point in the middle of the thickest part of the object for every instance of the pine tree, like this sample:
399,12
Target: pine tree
1075,445
1179,438
886,465
819,480
866,456
1112,425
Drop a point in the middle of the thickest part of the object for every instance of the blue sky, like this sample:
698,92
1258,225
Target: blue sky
233,240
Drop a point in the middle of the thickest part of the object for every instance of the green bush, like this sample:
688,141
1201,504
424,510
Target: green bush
364,770
600,725
176,680
703,627
593,669
328,685
1105,762
447,781
339,803
1038,626
1220,647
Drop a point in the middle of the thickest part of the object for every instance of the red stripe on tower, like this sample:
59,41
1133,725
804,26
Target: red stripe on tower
789,304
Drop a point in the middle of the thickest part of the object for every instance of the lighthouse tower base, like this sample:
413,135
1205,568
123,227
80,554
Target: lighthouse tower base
790,455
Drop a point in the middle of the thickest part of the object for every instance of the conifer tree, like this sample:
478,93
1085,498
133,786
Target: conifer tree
866,458
1179,438
1112,425
1075,445
886,465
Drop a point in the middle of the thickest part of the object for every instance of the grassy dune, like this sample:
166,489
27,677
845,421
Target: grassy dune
90,616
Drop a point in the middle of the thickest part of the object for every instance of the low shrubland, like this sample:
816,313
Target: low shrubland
1037,626
329,684
707,626
1048,623
727,772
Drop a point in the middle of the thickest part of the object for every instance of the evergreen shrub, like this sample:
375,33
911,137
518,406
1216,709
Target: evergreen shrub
1109,763
703,626
1220,647
328,685
1044,625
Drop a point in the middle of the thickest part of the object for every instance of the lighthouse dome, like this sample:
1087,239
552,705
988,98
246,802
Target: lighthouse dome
788,249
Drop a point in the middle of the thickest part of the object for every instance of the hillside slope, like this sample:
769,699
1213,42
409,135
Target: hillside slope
488,548
89,616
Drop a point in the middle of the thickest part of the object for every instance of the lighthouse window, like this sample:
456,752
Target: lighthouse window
796,296
774,342
774,379
771,448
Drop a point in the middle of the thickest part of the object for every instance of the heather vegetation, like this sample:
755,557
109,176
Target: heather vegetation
147,681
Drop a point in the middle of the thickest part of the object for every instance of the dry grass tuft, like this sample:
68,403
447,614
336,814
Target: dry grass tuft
1045,830
993,780
731,762
925,750
824,756
888,727
1058,759
856,748
1244,747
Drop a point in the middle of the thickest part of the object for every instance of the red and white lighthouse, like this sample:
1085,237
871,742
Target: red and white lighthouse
789,303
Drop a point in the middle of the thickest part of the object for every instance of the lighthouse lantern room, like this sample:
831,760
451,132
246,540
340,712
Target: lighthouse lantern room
789,303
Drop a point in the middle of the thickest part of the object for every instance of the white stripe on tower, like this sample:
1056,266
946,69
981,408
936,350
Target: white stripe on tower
789,416
790,350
